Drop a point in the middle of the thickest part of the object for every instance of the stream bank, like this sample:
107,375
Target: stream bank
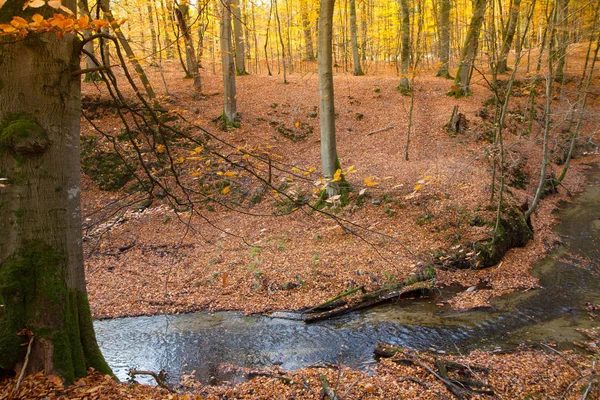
208,342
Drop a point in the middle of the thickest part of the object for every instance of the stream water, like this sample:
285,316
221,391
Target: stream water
206,342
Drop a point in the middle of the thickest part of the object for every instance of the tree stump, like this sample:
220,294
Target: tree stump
457,123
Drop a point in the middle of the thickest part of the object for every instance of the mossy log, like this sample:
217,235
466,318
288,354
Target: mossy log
513,231
418,282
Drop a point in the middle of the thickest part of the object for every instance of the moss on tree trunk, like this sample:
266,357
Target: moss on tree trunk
34,295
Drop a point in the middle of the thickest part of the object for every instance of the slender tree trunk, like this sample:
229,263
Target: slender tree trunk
152,35
281,42
267,38
547,116
364,30
404,86
238,33
130,54
468,54
444,45
89,46
42,282
509,34
327,110
354,38
230,115
168,44
581,108
309,52
562,38
181,15
104,5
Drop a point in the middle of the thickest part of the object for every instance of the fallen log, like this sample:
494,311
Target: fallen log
328,303
370,300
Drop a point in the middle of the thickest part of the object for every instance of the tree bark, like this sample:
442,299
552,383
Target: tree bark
129,51
238,33
152,35
444,45
468,53
42,282
181,14
281,42
354,38
404,86
230,115
509,34
327,109
309,52
89,46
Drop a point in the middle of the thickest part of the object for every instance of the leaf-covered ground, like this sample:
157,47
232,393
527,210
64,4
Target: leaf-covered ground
410,212
152,260
525,374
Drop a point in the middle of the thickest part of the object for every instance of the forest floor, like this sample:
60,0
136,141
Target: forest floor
401,215
275,256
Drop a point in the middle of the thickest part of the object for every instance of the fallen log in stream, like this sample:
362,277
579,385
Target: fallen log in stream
338,305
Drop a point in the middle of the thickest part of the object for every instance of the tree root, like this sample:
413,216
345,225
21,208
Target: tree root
461,387
159,378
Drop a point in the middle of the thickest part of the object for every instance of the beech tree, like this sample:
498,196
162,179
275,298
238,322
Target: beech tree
327,109
238,33
182,15
468,52
354,38
444,34
230,115
42,282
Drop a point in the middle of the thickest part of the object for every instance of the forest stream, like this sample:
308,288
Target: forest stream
208,343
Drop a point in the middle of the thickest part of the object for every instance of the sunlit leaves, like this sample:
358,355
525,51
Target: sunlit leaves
370,182
34,4
337,176
58,23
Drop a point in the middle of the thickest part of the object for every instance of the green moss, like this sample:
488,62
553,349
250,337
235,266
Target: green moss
34,295
21,133
19,214
512,231
106,169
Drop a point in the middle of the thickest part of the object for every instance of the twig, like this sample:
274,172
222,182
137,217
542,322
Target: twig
16,389
387,128
563,357
157,377
425,385
327,389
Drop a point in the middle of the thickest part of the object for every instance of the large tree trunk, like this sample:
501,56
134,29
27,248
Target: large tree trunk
468,52
238,33
327,111
509,34
354,38
230,115
42,282
444,45
404,86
